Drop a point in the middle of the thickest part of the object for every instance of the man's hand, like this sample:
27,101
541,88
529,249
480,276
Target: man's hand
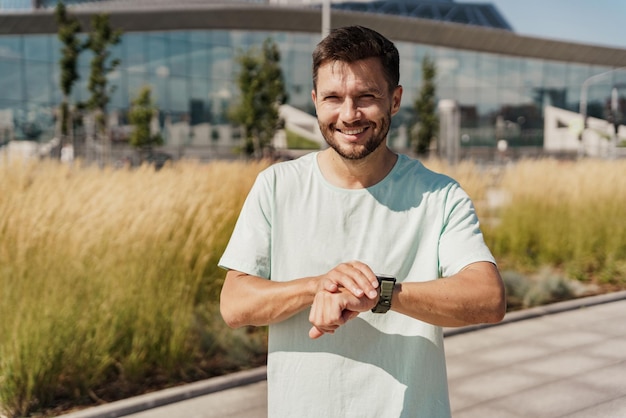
331,310
354,276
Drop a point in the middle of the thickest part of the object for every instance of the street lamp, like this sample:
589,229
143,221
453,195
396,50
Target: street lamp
583,97
325,18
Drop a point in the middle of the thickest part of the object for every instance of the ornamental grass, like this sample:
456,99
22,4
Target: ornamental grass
108,278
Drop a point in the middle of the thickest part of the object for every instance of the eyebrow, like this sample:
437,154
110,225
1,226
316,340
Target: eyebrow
368,90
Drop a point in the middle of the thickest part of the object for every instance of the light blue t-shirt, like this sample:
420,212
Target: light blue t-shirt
415,225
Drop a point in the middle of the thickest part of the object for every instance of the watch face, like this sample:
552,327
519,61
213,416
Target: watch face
386,285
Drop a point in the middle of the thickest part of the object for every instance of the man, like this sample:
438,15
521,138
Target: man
317,236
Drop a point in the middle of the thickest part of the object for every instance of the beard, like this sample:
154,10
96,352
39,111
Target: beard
358,151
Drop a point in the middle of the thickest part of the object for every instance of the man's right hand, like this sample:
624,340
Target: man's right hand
343,292
331,310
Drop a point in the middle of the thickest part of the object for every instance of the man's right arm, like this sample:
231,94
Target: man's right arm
253,300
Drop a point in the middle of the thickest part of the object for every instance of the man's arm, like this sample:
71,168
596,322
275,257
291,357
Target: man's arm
475,295
253,300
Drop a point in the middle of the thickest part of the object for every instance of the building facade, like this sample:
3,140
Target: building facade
186,52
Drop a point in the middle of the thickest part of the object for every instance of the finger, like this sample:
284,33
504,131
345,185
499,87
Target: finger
359,279
330,286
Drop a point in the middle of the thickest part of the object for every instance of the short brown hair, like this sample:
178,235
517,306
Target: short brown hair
354,43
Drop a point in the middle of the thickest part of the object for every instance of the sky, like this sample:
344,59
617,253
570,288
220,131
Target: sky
595,22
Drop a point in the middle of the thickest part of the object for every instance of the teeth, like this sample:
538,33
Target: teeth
353,131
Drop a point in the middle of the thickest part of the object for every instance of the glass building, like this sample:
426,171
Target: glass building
185,51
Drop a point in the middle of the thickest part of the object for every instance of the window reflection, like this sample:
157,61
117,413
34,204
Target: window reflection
192,75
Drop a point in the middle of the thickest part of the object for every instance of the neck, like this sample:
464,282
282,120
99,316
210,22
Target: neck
356,174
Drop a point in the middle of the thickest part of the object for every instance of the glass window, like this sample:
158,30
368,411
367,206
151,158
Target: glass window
555,74
447,67
199,36
179,57
11,81
10,47
37,48
199,60
80,92
577,74
532,69
509,74
200,105
619,77
160,91
157,62
180,35
221,96
38,88
222,63
445,92
135,56
487,76
179,95
219,38
487,101
466,95
84,60
468,70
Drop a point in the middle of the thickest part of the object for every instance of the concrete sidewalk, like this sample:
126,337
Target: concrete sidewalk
562,360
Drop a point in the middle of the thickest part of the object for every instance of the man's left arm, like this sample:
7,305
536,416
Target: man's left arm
472,296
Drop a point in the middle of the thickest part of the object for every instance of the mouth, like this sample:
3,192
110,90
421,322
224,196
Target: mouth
353,131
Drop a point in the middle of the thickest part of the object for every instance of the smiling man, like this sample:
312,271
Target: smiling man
357,256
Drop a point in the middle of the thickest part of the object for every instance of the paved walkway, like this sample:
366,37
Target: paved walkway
562,360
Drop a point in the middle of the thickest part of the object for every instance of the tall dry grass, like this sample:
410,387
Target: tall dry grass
569,215
473,178
566,214
109,275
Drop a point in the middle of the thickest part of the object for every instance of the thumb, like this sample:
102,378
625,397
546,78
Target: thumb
315,333
348,314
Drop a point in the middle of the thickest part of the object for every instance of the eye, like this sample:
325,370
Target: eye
367,97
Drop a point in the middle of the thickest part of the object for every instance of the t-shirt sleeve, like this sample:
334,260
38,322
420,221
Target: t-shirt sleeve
249,247
461,241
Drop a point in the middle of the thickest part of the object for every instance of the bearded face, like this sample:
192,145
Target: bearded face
354,106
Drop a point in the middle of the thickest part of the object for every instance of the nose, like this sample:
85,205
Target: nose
349,110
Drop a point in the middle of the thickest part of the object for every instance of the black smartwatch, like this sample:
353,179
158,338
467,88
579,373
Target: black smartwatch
385,291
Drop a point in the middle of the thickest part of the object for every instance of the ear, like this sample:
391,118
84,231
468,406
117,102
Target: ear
314,98
395,100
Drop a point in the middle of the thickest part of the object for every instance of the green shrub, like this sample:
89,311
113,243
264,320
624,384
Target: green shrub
295,141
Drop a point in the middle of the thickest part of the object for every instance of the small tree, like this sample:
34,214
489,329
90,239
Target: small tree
262,91
425,108
68,31
141,112
100,39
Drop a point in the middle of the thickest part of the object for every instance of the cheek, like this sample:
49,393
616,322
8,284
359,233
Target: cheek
326,112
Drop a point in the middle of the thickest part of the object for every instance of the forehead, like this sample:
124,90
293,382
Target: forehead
367,73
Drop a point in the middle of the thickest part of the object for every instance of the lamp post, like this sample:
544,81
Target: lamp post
583,102
325,18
